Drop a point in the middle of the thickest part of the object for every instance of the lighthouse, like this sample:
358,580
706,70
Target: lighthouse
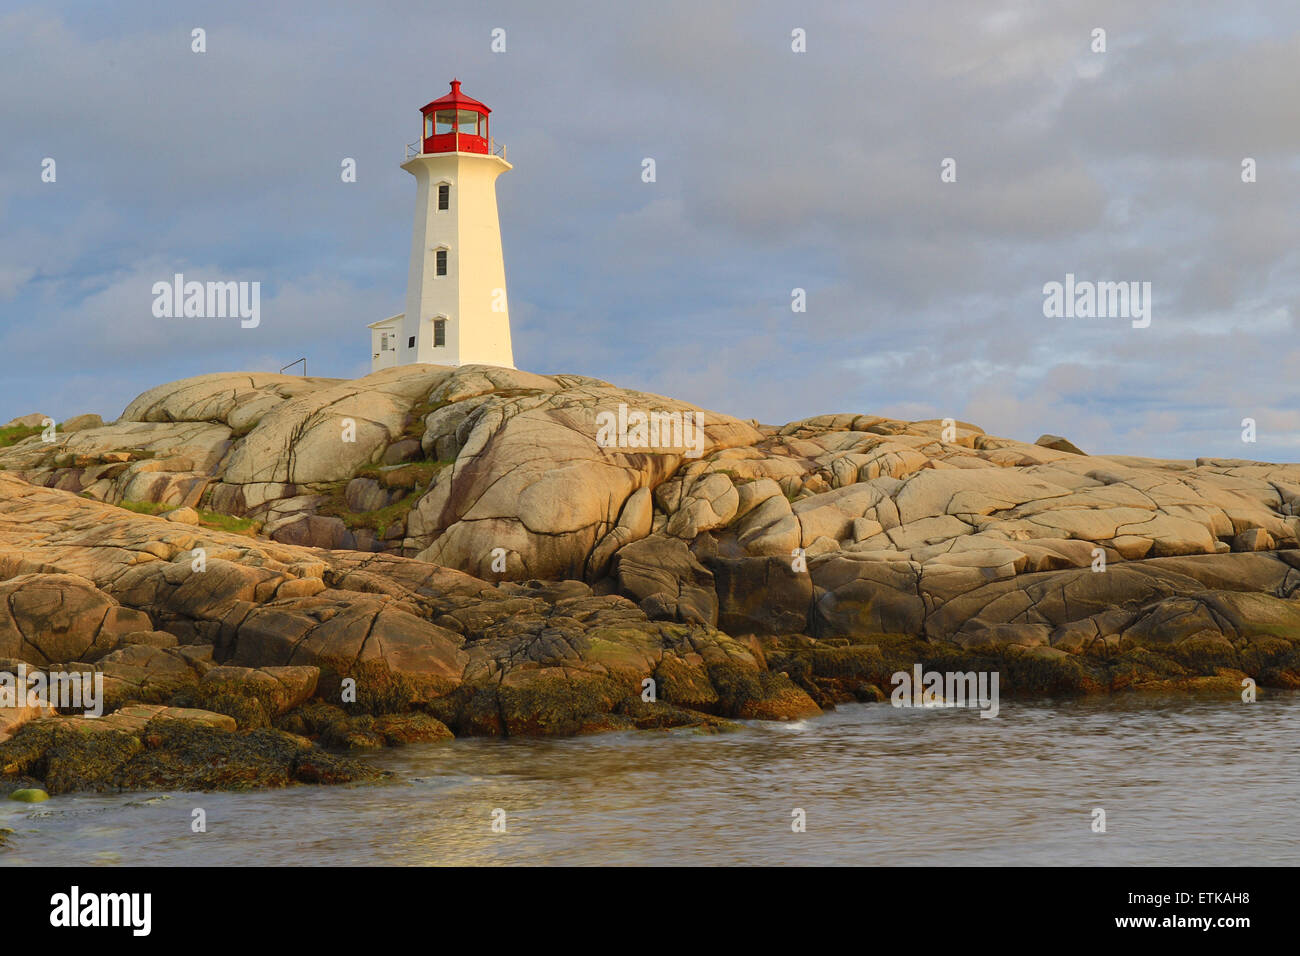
456,308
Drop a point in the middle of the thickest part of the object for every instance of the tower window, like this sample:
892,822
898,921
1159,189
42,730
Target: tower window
439,333
444,197
410,343
440,261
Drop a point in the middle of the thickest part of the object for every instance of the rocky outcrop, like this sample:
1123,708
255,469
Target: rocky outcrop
175,616
50,617
489,551
165,749
668,583
34,420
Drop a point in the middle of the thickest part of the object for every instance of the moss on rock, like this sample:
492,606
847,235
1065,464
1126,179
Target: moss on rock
67,754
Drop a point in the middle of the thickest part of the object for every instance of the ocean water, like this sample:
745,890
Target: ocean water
1181,781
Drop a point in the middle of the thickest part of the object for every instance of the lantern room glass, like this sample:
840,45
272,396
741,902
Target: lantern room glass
465,122
470,122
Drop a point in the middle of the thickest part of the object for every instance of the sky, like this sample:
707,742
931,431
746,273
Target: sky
775,170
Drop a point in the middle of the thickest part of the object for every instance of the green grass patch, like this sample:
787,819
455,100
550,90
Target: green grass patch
16,433
385,518
220,522
412,475
415,422
145,507
414,478
378,521
207,519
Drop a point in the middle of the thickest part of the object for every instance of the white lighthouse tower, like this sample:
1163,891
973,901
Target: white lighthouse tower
456,310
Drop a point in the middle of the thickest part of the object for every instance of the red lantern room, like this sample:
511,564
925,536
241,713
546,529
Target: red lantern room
455,123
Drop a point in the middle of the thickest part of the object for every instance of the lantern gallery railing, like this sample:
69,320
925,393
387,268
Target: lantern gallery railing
416,148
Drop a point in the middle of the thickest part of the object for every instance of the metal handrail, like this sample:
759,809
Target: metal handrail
292,364
417,148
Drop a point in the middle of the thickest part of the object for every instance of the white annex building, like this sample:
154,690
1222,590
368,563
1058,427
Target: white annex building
456,310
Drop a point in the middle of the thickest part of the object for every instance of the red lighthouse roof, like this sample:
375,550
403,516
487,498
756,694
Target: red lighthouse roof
456,100
455,123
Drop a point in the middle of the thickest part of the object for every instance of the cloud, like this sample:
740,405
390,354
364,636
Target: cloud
13,278
775,170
